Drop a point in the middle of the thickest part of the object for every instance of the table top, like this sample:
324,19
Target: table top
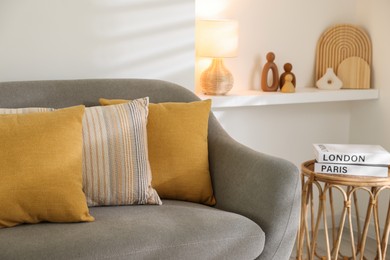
348,180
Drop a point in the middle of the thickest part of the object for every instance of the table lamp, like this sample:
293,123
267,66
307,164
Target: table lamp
216,39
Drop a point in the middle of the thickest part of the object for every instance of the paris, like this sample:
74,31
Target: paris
334,168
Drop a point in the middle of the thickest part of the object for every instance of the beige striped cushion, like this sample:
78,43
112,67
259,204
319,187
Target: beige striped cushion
116,168
24,110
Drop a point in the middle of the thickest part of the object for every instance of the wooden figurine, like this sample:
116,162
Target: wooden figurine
270,65
288,86
287,70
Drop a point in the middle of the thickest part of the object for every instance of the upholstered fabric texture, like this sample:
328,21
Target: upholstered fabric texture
41,168
178,151
116,166
175,230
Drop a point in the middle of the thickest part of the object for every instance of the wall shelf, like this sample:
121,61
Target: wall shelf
302,95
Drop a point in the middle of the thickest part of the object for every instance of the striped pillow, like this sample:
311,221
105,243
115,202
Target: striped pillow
115,155
116,168
24,110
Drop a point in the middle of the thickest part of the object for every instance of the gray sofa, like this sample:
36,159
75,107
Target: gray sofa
256,214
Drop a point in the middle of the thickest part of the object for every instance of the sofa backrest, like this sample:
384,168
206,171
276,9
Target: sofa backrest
64,93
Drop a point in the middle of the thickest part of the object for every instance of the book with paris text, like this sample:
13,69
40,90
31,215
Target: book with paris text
361,154
352,169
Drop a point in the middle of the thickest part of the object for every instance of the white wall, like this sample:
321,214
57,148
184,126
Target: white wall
287,131
370,121
70,39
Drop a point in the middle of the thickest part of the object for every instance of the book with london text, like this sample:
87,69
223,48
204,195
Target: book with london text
361,154
352,169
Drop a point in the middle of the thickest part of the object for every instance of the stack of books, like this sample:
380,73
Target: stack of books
351,159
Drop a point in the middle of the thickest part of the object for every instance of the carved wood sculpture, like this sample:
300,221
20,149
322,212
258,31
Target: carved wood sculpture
287,71
354,72
336,46
270,66
288,86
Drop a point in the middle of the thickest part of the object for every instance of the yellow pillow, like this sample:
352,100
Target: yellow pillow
41,168
178,151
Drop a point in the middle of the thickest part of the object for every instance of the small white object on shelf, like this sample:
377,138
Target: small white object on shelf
329,81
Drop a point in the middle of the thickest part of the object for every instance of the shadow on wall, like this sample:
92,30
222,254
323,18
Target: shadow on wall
98,39
153,37
255,76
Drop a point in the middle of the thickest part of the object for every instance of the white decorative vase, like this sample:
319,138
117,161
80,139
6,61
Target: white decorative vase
329,81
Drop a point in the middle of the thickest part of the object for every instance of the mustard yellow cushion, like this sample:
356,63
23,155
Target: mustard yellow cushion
178,152
41,168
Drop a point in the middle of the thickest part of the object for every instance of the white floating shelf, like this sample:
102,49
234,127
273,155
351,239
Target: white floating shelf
302,95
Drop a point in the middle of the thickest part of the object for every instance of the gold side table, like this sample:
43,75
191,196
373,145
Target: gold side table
326,184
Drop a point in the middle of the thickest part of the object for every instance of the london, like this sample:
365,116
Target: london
345,158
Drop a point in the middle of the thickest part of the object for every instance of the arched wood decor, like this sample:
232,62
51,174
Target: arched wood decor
337,44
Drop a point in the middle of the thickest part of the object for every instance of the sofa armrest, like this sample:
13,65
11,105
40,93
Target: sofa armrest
263,188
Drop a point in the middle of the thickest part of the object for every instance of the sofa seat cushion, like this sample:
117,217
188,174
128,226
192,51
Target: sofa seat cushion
175,230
